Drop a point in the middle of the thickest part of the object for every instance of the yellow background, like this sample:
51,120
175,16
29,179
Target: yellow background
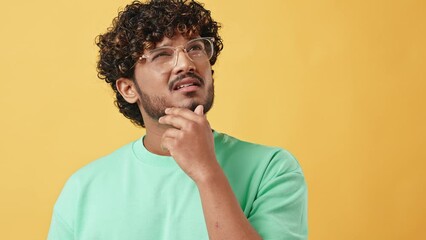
340,84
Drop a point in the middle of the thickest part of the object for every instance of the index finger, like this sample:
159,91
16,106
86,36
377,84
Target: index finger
183,112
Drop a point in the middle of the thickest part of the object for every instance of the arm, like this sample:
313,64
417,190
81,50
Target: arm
222,212
190,143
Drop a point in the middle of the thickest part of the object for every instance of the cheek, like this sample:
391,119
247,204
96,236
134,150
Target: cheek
206,71
152,81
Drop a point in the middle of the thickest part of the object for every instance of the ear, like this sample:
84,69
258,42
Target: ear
127,89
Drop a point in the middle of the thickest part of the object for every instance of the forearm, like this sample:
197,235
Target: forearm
222,212
190,142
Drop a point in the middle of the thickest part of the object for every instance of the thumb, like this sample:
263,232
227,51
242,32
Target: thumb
199,110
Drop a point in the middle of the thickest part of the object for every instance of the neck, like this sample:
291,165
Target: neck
152,139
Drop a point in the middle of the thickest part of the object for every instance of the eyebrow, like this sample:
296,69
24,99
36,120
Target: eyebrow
168,42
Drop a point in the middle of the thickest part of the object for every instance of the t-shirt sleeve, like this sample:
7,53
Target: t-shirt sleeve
59,230
280,208
64,212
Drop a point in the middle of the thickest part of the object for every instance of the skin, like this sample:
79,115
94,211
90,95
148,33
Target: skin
186,135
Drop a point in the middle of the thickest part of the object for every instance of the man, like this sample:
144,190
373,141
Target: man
182,180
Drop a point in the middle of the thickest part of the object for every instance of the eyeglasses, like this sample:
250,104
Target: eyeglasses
163,59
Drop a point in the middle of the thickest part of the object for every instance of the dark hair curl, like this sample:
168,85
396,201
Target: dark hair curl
140,26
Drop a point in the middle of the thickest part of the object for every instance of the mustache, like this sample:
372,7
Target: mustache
185,75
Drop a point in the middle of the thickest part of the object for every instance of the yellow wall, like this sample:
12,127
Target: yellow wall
341,84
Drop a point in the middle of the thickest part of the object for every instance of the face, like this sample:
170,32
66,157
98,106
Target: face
187,84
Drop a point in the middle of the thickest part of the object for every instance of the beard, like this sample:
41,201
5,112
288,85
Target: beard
155,106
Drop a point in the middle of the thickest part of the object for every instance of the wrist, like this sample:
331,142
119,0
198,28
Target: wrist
213,175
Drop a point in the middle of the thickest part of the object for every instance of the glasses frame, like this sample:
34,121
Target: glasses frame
210,40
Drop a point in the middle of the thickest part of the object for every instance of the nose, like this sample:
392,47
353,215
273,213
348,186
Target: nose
183,62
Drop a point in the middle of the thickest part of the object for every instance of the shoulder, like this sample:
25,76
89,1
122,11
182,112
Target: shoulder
88,177
106,163
98,170
232,148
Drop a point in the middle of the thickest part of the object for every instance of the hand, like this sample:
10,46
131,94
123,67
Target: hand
190,141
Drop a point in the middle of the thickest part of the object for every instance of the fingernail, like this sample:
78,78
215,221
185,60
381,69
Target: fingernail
167,110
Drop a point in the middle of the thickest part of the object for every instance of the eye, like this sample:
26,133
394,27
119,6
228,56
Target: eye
196,46
159,54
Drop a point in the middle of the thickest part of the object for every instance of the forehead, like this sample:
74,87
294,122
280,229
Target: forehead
176,40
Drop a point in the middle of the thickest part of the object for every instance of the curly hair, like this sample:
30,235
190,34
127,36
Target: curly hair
140,26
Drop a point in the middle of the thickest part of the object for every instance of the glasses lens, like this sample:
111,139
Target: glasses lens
161,55
162,58
200,49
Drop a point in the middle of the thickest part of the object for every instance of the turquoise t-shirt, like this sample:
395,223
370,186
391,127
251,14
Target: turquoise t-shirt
133,194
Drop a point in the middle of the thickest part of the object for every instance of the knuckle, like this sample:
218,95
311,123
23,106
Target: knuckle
180,135
175,110
164,119
191,125
202,120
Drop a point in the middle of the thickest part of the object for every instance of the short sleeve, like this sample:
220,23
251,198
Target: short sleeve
59,230
280,208
64,212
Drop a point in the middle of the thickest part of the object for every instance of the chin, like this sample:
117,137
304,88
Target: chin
192,102
191,105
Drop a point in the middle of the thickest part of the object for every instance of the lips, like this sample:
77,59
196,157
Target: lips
185,83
